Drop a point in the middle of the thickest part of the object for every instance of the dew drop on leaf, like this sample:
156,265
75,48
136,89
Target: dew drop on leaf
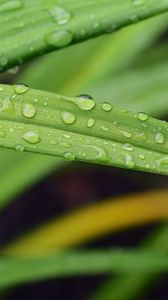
28,110
60,15
68,118
106,106
126,134
69,156
128,147
85,102
19,148
31,137
90,123
159,138
20,88
142,116
59,38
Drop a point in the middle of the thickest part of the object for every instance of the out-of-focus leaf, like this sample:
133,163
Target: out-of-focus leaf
92,222
15,271
47,26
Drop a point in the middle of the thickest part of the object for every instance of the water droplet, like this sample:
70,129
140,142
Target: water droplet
59,38
19,148
31,137
1,88
163,162
90,123
142,116
10,5
129,161
85,102
147,166
20,88
60,15
141,156
65,145
104,128
128,147
159,138
67,136
28,110
126,133
101,153
68,117
106,106
6,106
69,156
2,134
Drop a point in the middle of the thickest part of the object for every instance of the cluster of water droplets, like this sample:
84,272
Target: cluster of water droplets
60,37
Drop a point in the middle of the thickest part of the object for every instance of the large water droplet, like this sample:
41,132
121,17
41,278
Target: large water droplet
106,106
60,15
6,105
159,138
20,88
68,118
28,110
101,153
142,116
85,102
59,38
31,137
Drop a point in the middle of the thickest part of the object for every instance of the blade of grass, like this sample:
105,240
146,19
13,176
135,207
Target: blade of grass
15,271
138,36
46,26
79,129
131,287
92,222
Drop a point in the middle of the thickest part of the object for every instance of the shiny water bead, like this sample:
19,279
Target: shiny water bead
142,116
59,38
90,123
129,163
1,89
6,105
20,88
126,134
128,147
31,137
60,15
68,118
28,110
69,156
19,148
106,106
85,102
159,138
10,5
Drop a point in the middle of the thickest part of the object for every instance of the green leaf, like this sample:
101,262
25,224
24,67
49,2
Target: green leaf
36,27
130,287
19,270
81,129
